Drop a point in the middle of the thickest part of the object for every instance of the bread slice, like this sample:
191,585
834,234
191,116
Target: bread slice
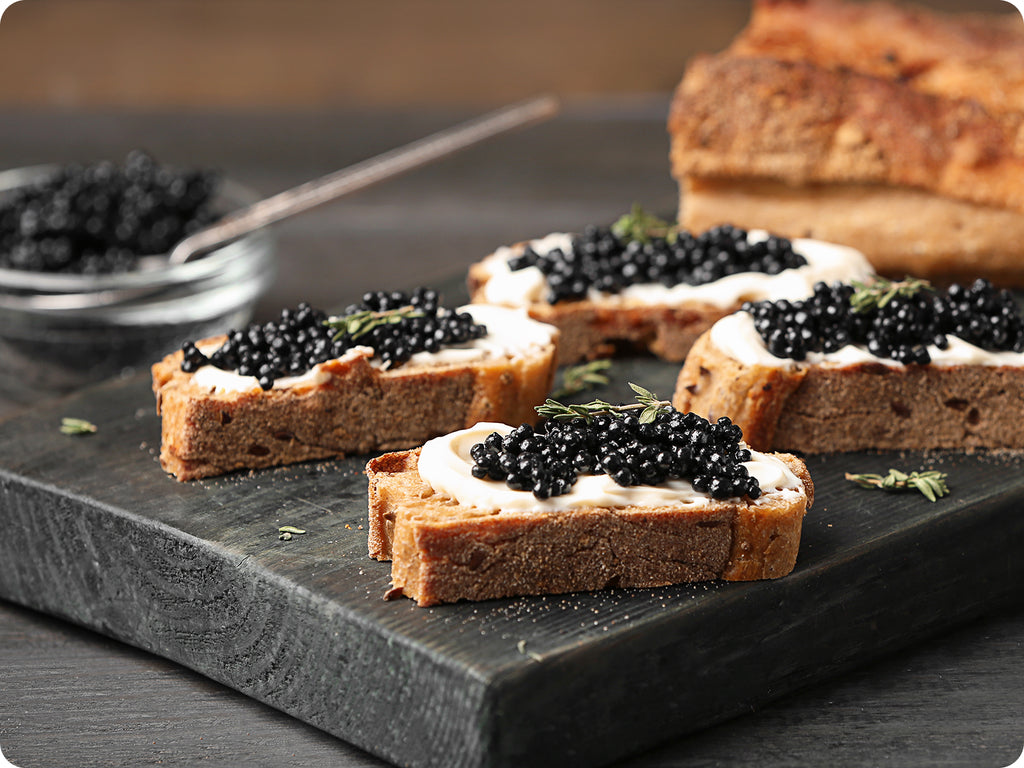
349,406
897,131
443,551
830,408
666,326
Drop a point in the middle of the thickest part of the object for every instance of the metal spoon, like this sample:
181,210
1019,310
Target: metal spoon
360,176
304,197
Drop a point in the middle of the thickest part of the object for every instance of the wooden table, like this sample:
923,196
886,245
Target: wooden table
72,697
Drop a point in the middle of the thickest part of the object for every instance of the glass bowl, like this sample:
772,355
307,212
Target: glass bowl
59,332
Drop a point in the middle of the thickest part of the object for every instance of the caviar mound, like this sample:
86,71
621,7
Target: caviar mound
395,324
598,259
900,326
443,551
100,218
671,445
347,405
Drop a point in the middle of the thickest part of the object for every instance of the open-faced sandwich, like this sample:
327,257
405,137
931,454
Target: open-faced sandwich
885,365
644,284
598,497
388,373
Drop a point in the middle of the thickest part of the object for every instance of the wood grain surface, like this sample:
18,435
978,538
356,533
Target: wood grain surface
195,572
209,555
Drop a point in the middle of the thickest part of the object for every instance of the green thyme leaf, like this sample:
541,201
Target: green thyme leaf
642,226
879,292
648,414
932,484
285,532
579,378
360,323
72,426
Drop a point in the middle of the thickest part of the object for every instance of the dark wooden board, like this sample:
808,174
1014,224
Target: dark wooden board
97,534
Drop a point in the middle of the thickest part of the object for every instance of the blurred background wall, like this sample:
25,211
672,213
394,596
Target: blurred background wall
72,54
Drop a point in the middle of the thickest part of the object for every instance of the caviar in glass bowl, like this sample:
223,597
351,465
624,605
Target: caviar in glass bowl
83,295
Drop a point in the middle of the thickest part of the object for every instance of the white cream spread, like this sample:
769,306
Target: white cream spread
736,336
445,465
510,333
825,262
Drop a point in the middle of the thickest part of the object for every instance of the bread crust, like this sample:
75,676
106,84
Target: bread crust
872,406
590,330
801,124
442,551
358,409
843,121
963,56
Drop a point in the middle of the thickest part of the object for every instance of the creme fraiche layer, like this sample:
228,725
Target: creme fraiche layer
826,262
445,465
736,337
510,334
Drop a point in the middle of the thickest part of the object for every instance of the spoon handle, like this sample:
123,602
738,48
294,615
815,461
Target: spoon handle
361,175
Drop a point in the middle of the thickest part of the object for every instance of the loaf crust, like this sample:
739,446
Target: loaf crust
442,551
848,121
800,124
358,409
966,56
831,409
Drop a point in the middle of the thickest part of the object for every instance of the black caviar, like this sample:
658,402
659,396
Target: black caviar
99,218
899,328
602,260
674,445
395,324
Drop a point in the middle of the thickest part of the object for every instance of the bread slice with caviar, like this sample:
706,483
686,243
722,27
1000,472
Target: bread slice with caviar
453,535
642,284
389,373
891,129
885,367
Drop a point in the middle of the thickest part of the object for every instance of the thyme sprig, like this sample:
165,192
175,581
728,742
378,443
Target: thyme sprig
72,426
579,378
640,225
647,403
360,323
879,292
931,484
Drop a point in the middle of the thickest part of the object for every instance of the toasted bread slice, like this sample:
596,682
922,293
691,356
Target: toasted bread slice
443,551
830,408
664,322
348,406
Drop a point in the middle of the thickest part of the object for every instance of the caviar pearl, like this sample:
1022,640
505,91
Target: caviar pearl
305,337
900,330
547,462
599,259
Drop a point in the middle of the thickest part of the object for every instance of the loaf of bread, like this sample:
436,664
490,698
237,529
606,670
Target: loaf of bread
850,398
216,421
893,130
443,551
649,317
